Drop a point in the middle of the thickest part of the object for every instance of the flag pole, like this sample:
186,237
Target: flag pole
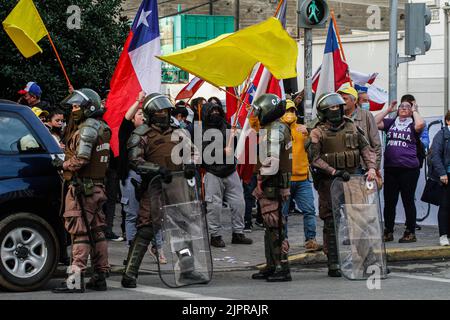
336,28
59,60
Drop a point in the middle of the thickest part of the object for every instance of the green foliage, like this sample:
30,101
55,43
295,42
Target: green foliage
89,54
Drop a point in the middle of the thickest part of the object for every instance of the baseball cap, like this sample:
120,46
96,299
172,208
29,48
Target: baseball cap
39,112
348,89
290,104
33,88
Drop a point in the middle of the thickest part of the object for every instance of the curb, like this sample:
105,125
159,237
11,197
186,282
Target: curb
393,255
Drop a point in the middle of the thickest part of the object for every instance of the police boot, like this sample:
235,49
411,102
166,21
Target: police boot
263,274
188,275
240,238
73,284
135,255
97,281
282,273
333,259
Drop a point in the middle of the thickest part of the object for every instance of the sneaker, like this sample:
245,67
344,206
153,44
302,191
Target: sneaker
443,241
388,236
248,227
113,237
408,237
162,258
217,242
259,224
239,238
311,246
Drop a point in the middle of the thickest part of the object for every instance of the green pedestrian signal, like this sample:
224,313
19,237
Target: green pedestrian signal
312,13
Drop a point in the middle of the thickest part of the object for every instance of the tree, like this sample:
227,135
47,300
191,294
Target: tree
89,54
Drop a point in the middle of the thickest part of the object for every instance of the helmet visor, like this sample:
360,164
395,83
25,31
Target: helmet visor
160,103
330,100
75,97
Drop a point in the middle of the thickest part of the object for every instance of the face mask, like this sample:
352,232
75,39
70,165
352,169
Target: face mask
183,124
56,129
77,115
161,121
289,118
214,120
365,106
334,116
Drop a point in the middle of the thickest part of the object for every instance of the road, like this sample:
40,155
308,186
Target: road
404,282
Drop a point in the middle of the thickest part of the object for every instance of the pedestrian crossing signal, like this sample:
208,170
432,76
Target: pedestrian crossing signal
312,13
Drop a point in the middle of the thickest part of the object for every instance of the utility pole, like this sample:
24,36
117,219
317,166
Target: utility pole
236,15
393,51
211,11
308,75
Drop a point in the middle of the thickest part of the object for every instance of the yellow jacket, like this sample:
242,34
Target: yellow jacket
300,164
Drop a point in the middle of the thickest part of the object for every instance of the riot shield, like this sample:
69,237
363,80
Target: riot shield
359,231
178,214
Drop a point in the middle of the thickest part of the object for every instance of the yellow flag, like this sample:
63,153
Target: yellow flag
25,28
229,59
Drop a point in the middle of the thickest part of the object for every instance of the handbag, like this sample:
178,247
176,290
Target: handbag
433,192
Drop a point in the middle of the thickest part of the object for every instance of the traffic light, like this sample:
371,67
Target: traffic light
417,40
312,13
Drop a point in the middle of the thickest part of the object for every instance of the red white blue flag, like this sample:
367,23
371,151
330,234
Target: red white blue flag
334,70
137,70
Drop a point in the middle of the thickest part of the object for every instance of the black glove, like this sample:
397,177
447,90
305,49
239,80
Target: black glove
189,171
166,175
57,163
342,174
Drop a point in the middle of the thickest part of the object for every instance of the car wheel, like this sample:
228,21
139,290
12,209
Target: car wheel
29,252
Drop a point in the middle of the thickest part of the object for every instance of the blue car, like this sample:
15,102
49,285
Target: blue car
32,237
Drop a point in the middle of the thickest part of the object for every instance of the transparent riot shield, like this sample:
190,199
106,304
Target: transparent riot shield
178,215
359,231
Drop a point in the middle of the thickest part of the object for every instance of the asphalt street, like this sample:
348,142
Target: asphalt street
414,281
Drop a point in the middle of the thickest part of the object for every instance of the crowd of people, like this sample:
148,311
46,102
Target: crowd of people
343,140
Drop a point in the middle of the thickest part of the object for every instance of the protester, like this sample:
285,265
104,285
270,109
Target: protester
401,166
221,180
180,113
301,188
215,100
196,107
41,114
55,124
440,164
363,100
31,96
363,119
424,136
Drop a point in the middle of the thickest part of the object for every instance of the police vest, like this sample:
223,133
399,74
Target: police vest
340,149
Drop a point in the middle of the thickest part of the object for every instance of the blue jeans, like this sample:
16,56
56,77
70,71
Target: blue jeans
302,194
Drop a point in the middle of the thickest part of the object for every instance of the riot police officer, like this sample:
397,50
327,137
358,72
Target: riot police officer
150,148
335,148
273,186
86,160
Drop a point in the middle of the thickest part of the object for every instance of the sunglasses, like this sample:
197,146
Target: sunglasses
405,106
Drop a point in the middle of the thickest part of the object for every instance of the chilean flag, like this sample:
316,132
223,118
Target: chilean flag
137,69
190,89
334,70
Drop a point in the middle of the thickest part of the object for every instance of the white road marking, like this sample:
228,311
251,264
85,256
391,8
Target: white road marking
173,293
420,277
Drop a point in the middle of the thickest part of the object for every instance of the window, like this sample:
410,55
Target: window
15,136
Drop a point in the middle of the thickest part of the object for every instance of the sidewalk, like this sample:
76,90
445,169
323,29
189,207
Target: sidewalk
241,257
